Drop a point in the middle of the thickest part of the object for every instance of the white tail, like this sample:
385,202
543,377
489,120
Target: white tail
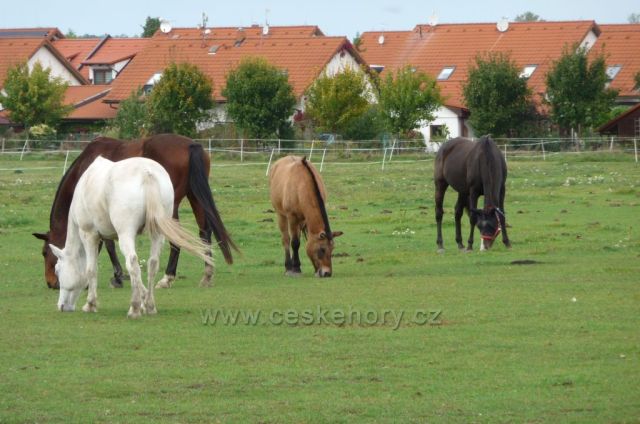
157,221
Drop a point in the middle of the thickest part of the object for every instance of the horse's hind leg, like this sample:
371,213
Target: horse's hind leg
172,265
118,275
460,204
152,269
127,247
294,231
205,236
441,188
284,231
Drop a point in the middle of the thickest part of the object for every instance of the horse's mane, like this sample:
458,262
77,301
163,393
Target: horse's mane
63,181
323,210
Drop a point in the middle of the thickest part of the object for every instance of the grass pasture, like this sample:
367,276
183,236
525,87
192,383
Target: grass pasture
548,331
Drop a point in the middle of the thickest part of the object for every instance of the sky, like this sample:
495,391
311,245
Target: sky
334,17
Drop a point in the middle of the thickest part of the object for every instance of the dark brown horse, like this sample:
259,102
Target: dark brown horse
298,196
473,169
188,166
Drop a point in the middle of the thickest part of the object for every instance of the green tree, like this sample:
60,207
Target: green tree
130,122
150,26
634,18
407,98
527,17
333,102
180,100
71,34
636,78
577,90
497,97
260,99
34,97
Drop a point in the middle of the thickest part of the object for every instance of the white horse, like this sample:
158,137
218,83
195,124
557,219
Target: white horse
118,200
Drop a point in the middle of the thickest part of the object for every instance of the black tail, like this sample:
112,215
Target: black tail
199,186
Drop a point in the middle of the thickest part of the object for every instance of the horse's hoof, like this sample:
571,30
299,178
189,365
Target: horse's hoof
166,282
441,250
291,273
206,282
467,250
89,307
116,283
151,310
134,313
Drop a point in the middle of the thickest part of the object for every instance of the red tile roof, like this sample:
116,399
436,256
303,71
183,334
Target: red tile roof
430,49
114,50
621,46
46,33
14,51
87,102
76,50
303,58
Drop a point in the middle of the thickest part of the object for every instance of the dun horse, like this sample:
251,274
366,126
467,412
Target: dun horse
473,169
118,200
188,166
298,196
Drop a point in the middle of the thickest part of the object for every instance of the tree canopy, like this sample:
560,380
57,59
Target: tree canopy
497,97
407,98
150,27
577,90
527,17
334,102
180,100
131,120
34,97
260,99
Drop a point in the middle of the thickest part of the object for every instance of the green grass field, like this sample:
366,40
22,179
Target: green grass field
555,340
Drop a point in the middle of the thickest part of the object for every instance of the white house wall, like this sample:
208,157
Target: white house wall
444,116
48,60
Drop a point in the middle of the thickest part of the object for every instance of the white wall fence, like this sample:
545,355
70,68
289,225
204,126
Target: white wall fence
249,152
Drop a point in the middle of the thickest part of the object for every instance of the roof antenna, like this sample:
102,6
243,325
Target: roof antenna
265,28
203,27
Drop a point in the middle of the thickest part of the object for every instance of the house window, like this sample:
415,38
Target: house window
636,127
152,81
446,73
528,71
102,76
612,71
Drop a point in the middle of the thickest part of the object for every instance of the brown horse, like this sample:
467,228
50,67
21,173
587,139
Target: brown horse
298,196
188,166
473,169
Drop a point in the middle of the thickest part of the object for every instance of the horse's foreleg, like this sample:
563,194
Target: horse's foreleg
172,265
294,231
473,219
458,216
286,240
91,244
127,247
503,221
118,275
441,188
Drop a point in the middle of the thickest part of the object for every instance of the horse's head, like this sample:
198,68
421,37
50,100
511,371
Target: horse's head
70,278
489,222
319,249
49,261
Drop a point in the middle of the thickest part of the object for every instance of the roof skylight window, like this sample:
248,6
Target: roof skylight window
612,71
446,73
528,71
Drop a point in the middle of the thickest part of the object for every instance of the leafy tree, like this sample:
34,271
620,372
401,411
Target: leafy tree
497,97
180,100
260,99
367,126
71,34
333,102
527,17
407,98
634,18
636,78
34,97
130,121
577,90
150,26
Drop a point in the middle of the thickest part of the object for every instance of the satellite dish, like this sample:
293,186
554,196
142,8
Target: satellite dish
381,39
207,31
165,26
503,25
265,29
433,20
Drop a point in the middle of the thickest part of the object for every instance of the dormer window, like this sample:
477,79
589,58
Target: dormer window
102,76
446,73
152,81
612,71
528,71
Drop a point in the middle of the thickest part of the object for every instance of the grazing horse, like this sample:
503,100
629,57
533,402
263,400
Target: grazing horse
473,169
118,200
188,166
298,196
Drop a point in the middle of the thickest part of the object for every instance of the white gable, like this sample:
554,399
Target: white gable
58,69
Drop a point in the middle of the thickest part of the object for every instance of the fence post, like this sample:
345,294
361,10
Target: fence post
278,146
384,157
26,143
544,156
635,148
209,146
2,144
242,150
269,165
505,153
66,159
611,145
322,162
311,152
392,148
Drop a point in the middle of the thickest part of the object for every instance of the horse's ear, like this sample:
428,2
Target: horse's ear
337,234
56,251
41,236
